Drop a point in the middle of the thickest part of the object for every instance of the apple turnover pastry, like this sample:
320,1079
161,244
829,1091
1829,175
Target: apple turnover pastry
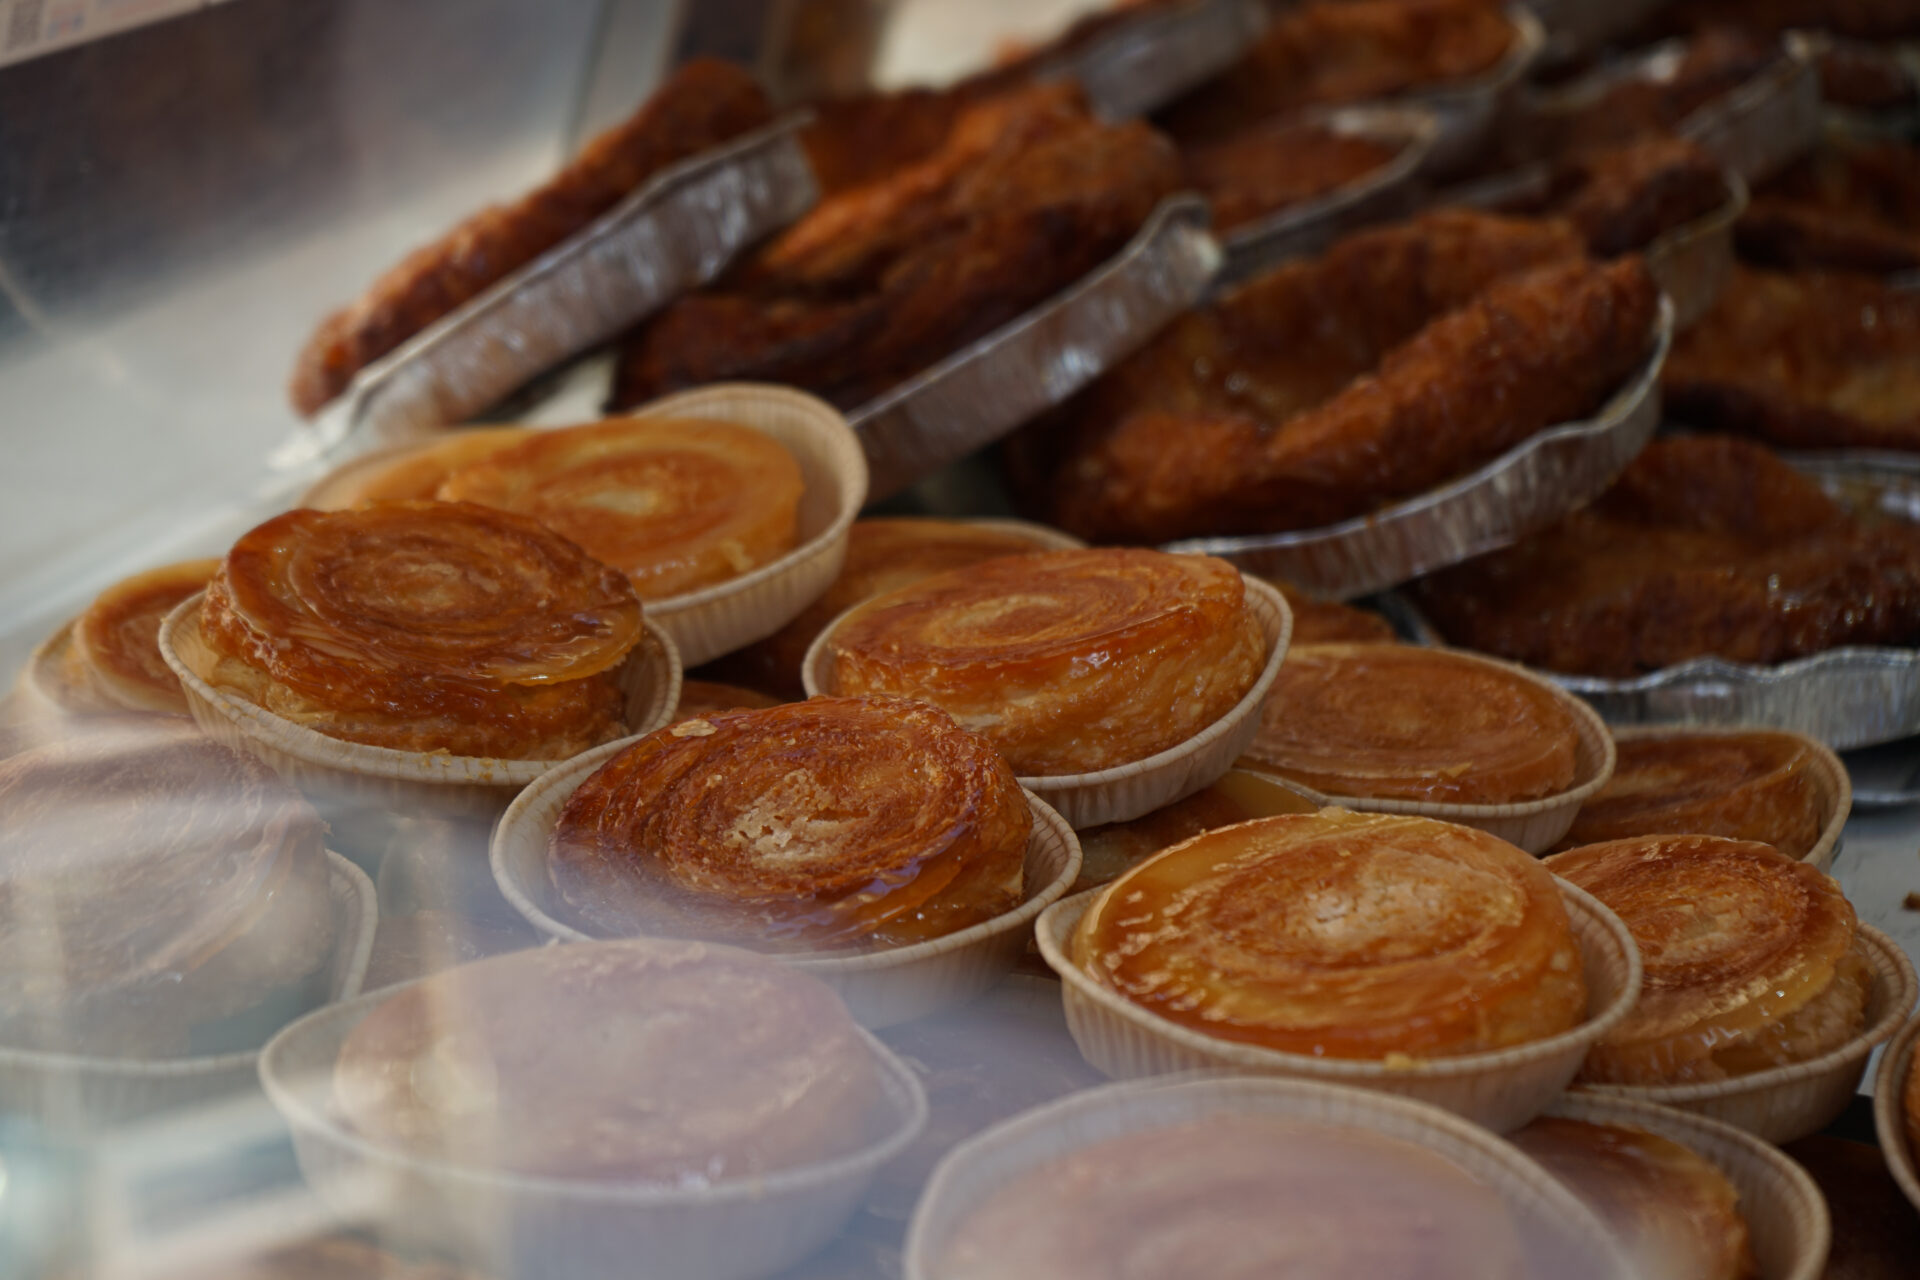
1342,935
113,658
421,626
831,823
1067,661
413,472
1398,722
1749,958
677,504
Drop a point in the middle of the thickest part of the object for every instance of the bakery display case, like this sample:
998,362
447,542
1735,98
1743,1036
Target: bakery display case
903,640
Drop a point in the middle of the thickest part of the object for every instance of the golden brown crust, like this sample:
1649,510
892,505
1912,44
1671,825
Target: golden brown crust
115,653
1736,939
1850,206
1624,197
677,504
424,626
707,697
1342,935
1398,722
816,825
1272,166
1329,622
1067,661
413,473
1912,1102
1109,851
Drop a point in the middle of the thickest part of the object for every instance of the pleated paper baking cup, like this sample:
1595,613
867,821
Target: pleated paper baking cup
1502,1089
352,775
71,1092
1560,1235
1890,1113
881,988
1787,1220
1130,791
1693,262
569,1229
1785,1103
1534,825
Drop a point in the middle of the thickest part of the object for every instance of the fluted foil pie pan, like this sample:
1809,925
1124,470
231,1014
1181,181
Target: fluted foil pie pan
1890,1110
1526,488
1693,262
1153,57
1469,110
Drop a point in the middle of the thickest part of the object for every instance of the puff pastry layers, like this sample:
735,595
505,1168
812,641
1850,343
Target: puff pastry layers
1109,850
678,504
1675,1214
830,823
1390,721
114,659
1067,661
1235,1196
1342,935
679,1062
414,473
1748,956
423,626
1746,786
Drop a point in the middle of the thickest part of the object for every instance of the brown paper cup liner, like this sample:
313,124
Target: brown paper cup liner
1890,1110
1785,1103
880,987
1693,262
1786,1215
1129,791
353,774
78,1092
1562,1236
568,1229
1535,825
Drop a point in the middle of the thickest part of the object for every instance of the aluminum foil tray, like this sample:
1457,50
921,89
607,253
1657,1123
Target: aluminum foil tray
981,392
1143,64
1897,123
1578,27
1694,261
1527,488
1469,110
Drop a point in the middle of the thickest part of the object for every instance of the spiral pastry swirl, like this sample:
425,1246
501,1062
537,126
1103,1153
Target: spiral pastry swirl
1747,786
1342,935
115,654
836,822
1067,661
424,626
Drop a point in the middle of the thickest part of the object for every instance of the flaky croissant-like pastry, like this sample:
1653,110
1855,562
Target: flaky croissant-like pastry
114,659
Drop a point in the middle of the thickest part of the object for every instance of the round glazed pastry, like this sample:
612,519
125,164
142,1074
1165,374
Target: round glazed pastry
1399,722
1675,1214
1067,661
675,504
1112,849
1342,935
421,626
160,895
704,697
414,473
1748,956
1747,786
680,1062
1240,1196
1329,622
111,659
834,822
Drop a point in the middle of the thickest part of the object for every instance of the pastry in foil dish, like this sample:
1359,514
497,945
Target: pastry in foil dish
1625,196
1749,956
1114,848
410,472
819,825
1275,165
1853,205
1680,82
1342,935
1066,661
112,657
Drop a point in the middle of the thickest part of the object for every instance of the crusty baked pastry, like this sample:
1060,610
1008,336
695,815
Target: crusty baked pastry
1273,165
1328,621
1853,205
681,1063
1108,851
1705,545
703,104
1066,661
1624,197
421,626
1749,958
1713,63
706,697
1747,786
1238,1194
1400,722
409,472
113,660
1342,935
676,503
831,823
1675,1215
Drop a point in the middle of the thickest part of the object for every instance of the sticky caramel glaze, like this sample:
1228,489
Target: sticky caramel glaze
1748,957
116,649
1239,1196
424,626
1067,661
1342,935
652,1060
415,473
1391,721
1675,1214
829,823
1749,786
1108,851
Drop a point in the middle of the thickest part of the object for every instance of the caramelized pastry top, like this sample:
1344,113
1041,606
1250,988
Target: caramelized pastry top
678,504
1067,661
1391,721
424,626
1236,1196
1342,935
677,1062
1109,850
1748,786
414,473
830,823
116,641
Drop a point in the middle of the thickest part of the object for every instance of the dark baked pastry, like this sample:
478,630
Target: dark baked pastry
1852,205
1109,851
1329,622
1715,62
706,697
1271,166
1624,197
